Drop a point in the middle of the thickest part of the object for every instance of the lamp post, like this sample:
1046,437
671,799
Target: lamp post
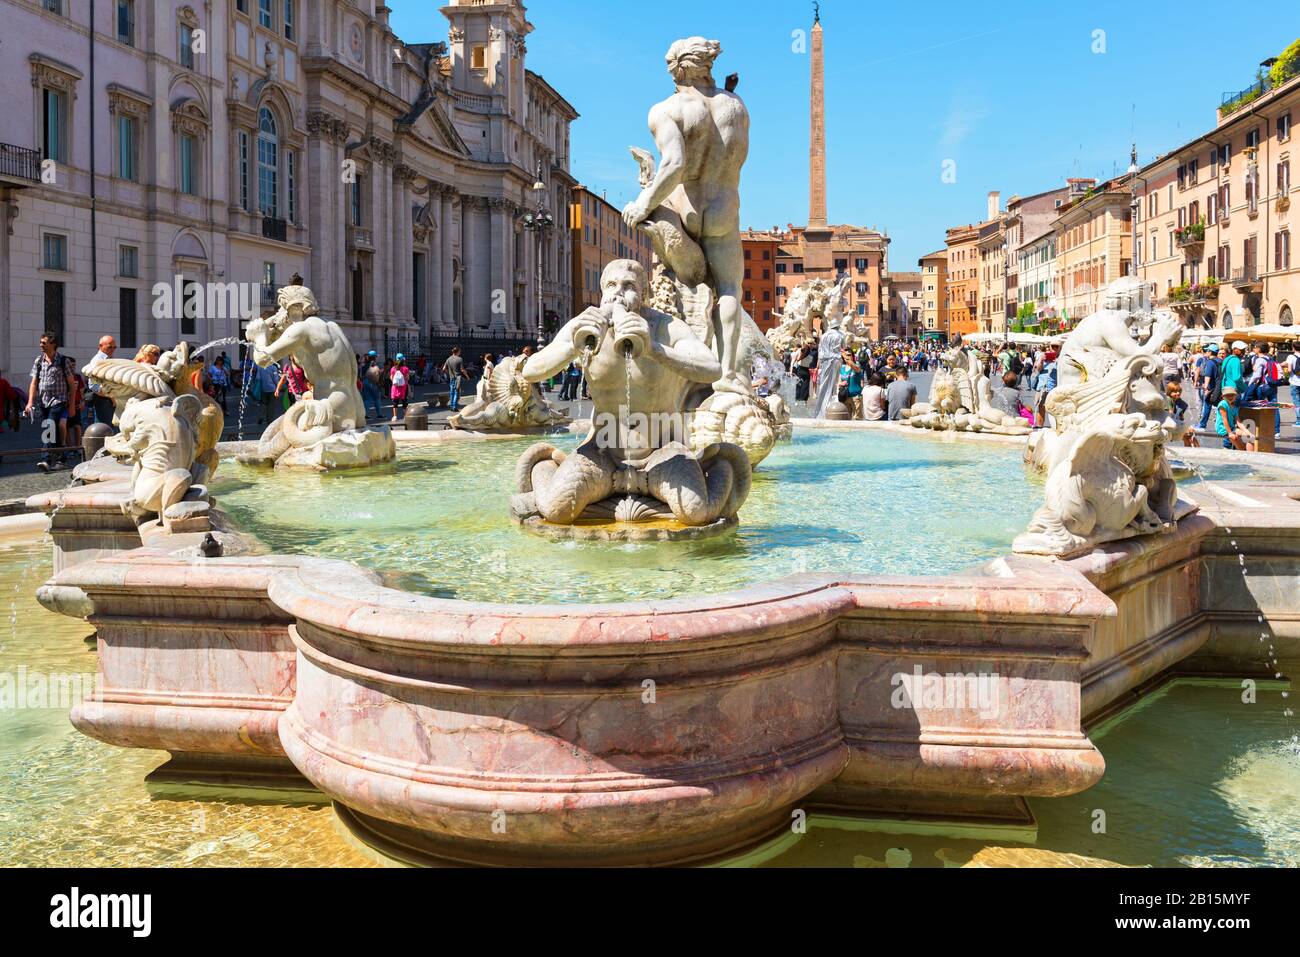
539,221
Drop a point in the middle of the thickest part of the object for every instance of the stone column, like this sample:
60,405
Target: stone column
500,286
402,245
384,241
433,262
447,279
817,110
8,213
475,273
341,193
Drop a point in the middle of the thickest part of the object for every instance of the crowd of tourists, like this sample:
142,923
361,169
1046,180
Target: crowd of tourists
874,384
1221,379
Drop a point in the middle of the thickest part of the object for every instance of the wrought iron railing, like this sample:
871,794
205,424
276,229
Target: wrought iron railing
275,229
20,162
472,344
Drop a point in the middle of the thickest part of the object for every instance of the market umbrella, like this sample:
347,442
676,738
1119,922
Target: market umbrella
1269,332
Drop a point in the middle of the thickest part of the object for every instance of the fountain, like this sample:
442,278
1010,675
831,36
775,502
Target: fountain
466,693
961,400
316,433
507,403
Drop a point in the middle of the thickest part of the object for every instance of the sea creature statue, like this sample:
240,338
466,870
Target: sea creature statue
325,429
161,438
961,400
814,306
506,402
1116,483
689,206
1107,474
635,465
176,374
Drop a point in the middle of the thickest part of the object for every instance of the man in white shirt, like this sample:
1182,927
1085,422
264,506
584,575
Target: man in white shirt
102,404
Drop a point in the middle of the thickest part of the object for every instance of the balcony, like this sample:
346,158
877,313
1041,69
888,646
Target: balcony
360,237
1193,298
1191,239
1246,278
277,229
1232,102
19,165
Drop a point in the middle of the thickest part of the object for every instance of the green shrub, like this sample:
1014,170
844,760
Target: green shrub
1287,65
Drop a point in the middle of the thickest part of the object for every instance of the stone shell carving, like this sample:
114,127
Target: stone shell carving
695,489
506,402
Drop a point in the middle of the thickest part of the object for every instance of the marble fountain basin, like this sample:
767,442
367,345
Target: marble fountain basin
669,726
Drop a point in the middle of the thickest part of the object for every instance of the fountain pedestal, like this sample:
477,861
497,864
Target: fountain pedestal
355,448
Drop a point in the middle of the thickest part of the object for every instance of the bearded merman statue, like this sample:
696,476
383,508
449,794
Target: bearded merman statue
635,466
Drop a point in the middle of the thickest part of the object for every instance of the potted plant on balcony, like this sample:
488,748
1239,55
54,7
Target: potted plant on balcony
1181,293
1191,233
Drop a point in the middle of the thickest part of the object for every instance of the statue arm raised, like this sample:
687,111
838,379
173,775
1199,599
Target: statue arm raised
265,353
672,163
556,356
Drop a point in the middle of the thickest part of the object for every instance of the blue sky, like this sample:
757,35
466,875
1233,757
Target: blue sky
1011,92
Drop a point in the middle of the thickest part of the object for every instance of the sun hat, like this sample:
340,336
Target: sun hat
401,357
1229,388
1240,344
372,353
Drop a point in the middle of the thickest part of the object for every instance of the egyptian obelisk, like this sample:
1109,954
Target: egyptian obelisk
817,235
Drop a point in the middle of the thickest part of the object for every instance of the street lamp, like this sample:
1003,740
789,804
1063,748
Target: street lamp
539,221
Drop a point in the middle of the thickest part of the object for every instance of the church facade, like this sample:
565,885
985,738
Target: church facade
214,150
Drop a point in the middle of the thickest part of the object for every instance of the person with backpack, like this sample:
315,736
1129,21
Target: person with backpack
1209,383
1263,380
50,392
1292,368
400,376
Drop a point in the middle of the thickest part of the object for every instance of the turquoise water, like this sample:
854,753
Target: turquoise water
1194,778
437,521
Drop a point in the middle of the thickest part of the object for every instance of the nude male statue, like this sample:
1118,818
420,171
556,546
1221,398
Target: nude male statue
326,357
702,132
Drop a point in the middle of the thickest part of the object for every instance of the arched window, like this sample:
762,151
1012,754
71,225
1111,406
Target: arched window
268,165
1284,317
1227,318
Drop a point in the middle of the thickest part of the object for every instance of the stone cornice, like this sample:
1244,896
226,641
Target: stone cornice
47,71
123,101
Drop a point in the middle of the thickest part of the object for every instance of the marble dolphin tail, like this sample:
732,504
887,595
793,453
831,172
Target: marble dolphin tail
646,161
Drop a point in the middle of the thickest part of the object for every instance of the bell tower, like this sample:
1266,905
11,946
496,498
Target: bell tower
487,46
